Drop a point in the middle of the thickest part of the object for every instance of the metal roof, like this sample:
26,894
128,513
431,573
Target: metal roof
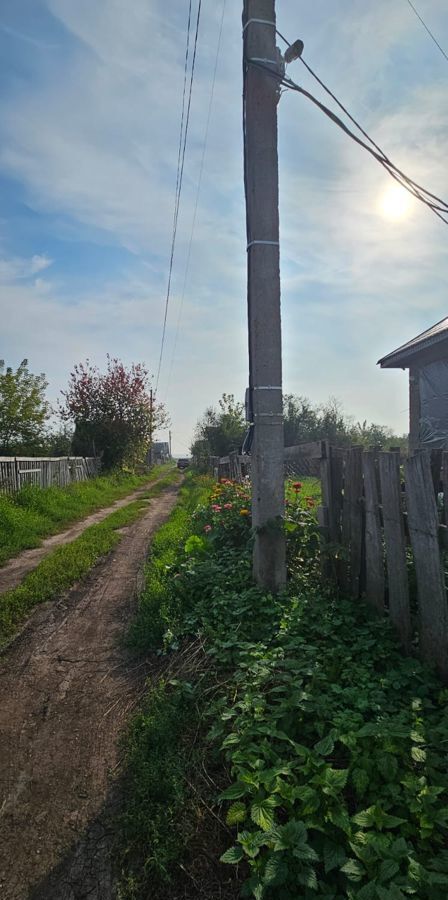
400,358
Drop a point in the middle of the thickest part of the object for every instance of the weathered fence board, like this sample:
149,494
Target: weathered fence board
374,556
352,531
423,523
394,538
18,471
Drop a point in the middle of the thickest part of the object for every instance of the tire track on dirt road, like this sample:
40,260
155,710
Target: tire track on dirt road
15,569
67,688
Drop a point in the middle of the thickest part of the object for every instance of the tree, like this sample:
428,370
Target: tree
220,431
111,412
58,442
23,410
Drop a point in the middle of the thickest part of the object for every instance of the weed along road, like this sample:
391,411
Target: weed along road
67,687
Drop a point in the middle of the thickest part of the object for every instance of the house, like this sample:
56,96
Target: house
160,451
426,357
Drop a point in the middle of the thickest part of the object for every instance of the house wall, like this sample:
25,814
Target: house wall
420,361
414,408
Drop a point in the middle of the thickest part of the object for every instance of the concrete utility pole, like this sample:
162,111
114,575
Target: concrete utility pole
263,294
151,425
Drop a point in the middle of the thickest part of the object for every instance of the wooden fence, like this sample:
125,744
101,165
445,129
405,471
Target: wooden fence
384,526
384,518
17,471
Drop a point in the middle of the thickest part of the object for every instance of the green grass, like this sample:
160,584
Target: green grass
151,826
156,613
34,513
66,565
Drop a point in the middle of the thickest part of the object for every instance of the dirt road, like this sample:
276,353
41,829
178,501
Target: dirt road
14,571
67,688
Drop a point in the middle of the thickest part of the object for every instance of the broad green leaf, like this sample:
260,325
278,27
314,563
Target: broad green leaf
334,780
262,813
418,754
235,791
387,821
276,870
325,746
290,836
361,781
368,892
334,856
365,818
230,740
388,869
353,870
251,842
233,856
236,813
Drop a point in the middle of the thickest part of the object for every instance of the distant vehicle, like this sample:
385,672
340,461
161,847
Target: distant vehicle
183,463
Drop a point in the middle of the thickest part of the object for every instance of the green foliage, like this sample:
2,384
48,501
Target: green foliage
34,513
159,606
335,742
66,565
151,826
305,421
113,412
23,410
219,431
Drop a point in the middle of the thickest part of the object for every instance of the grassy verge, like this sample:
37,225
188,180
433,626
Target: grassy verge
333,744
34,513
162,747
66,565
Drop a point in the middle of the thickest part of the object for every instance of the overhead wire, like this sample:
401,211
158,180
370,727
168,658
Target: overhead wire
425,26
198,190
431,200
180,171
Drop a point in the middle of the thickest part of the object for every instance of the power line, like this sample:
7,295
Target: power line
432,36
198,189
180,172
420,193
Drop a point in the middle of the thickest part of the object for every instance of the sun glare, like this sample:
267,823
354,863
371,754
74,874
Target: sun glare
395,202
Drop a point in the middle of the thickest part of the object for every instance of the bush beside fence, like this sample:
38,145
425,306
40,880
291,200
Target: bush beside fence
18,471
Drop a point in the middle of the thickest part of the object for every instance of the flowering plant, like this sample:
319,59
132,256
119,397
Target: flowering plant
226,518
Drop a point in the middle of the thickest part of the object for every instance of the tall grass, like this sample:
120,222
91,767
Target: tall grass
35,513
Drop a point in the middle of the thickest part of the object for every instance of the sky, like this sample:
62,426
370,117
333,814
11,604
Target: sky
90,105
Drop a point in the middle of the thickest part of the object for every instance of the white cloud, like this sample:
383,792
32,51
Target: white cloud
15,268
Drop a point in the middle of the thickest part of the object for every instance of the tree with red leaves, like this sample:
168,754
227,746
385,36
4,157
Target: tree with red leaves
112,411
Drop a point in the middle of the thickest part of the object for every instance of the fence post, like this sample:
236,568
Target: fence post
352,518
373,536
394,538
325,512
445,485
424,532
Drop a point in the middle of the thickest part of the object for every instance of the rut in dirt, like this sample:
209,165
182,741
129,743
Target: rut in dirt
67,689
15,569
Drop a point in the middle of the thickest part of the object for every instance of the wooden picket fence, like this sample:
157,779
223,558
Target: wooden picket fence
17,471
383,517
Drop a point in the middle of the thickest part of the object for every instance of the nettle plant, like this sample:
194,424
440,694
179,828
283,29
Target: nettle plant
335,742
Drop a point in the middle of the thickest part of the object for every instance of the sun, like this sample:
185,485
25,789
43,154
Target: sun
395,203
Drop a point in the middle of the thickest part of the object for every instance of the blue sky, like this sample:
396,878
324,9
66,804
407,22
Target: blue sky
90,96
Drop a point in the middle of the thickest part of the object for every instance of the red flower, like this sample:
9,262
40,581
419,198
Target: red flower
297,486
